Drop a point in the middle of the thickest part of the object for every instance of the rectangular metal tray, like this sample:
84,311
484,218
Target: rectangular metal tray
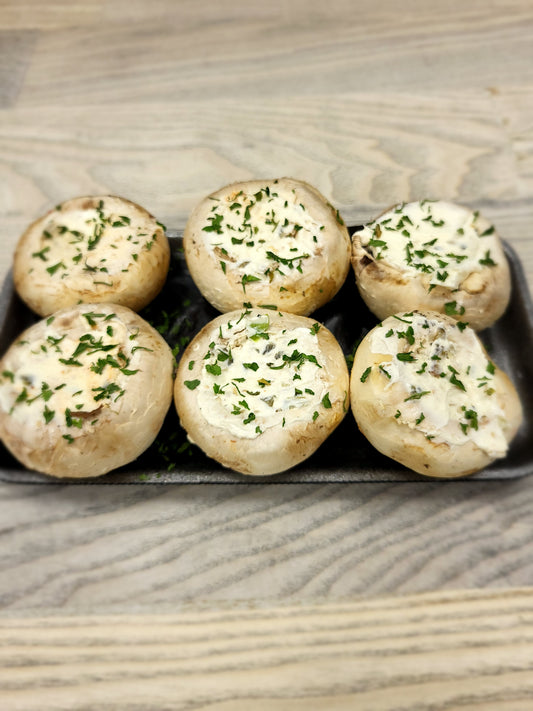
180,311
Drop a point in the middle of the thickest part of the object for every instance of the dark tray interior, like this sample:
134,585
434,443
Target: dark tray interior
180,311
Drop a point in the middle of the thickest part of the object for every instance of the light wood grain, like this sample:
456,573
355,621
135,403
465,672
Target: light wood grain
371,105
437,651
265,593
120,548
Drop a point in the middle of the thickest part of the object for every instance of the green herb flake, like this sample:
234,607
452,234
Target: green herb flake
53,269
366,373
406,357
247,279
471,420
216,224
72,421
451,309
417,395
213,368
107,392
48,414
41,254
487,261
454,380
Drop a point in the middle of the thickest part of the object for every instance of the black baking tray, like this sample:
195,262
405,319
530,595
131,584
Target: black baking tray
180,311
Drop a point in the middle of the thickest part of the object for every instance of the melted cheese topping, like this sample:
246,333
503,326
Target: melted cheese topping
264,236
255,377
444,378
433,239
68,377
87,247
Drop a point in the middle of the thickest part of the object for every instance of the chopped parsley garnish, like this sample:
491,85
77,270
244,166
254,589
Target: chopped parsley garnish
48,414
326,402
451,309
487,261
216,224
247,279
406,357
417,395
53,269
42,254
107,392
454,380
365,374
471,418
213,368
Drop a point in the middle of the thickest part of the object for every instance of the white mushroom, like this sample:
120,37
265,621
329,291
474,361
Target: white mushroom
432,255
267,242
84,391
260,390
425,393
91,249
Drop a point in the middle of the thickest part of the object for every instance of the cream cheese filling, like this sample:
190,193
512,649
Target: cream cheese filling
84,247
264,235
255,377
433,239
444,381
66,380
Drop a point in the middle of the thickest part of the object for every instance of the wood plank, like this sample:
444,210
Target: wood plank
446,650
228,51
36,14
16,49
123,548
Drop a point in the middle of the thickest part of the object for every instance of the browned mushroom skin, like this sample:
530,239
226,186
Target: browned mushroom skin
91,250
276,242
479,297
261,401
84,391
424,392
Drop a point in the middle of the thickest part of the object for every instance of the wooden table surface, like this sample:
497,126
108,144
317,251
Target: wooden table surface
235,597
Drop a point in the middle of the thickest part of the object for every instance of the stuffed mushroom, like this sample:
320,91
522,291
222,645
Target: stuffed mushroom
91,249
259,391
432,255
267,242
84,391
425,393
